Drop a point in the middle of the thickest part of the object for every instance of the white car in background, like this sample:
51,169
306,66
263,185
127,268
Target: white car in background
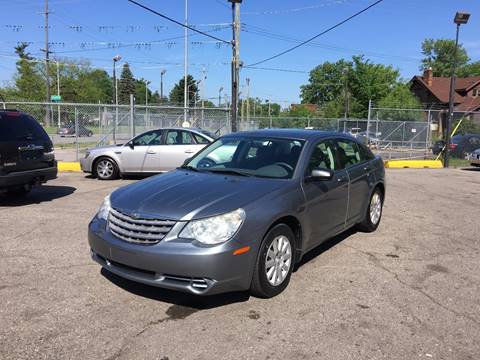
474,158
154,151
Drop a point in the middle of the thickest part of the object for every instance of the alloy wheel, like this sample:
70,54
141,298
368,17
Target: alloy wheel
375,208
105,169
278,260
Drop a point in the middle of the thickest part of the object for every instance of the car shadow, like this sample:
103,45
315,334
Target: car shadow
38,195
320,249
473,168
176,297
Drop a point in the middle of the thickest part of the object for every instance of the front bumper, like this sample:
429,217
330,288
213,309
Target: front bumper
86,164
474,159
178,265
29,177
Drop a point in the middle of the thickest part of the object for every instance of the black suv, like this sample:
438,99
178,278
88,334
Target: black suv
26,153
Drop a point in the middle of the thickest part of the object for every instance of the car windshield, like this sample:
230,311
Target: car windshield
250,156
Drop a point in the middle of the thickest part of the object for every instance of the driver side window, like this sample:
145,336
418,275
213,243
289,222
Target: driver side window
149,138
323,157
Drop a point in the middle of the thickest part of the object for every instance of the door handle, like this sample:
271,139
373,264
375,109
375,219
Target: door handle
341,180
367,168
189,151
151,152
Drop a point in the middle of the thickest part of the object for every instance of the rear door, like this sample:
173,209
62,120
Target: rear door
23,143
359,172
177,146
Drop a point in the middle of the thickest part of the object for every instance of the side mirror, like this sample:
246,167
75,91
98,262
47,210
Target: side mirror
131,145
321,174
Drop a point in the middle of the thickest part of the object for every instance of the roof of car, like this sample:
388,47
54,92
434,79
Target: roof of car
301,134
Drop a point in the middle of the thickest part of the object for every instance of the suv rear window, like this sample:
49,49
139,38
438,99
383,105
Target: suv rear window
16,126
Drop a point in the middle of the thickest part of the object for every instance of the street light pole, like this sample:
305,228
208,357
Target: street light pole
161,84
220,96
116,58
460,18
185,87
146,101
58,89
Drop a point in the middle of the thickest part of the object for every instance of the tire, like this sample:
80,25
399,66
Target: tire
106,169
264,278
374,211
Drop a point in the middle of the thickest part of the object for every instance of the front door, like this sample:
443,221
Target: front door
327,201
134,154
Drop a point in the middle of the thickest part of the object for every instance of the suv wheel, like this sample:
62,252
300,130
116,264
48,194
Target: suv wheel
373,214
106,169
274,264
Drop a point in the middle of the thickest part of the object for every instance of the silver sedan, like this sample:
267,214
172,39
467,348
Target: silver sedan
474,158
154,151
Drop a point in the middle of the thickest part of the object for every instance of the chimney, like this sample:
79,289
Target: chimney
428,76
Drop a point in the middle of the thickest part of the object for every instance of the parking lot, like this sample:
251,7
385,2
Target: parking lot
410,290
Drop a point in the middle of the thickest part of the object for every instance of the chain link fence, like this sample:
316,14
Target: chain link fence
76,127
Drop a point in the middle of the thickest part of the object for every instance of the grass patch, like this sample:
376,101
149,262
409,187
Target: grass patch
458,163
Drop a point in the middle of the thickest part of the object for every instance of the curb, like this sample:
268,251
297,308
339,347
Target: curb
72,166
414,164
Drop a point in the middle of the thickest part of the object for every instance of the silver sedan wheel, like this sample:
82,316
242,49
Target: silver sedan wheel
105,169
375,208
278,260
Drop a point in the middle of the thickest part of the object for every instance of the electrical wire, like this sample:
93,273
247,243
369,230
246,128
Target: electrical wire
316,36
177,22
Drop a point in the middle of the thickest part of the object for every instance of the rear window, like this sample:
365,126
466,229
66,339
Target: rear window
15,126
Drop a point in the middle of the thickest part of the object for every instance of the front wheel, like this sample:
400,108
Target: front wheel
274,264
374,212
106,169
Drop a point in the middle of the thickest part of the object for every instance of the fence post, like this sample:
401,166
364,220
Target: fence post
132,117
368,119
76,133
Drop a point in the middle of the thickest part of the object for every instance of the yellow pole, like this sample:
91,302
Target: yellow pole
453,133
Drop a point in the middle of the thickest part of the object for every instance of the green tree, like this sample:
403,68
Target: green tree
358,80
438,54
177,95
29,81
471,69
126,85
140,87
466,127
400,97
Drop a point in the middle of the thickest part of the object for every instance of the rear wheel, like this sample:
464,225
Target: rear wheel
274,264
106,169
373,214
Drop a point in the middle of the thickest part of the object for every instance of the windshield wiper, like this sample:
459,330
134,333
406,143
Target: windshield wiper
229,172
188,167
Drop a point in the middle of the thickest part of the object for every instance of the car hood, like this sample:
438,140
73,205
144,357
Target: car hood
104,148
186,195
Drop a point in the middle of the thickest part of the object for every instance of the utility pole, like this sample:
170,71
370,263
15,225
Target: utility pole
235,59
47,60
185,87
58,90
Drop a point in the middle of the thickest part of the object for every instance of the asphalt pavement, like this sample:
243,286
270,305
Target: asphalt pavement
411,290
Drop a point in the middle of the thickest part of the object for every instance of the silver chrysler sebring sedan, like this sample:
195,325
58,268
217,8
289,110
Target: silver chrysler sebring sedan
154,151
241,213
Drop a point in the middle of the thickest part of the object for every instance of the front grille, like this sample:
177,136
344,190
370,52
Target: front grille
139,231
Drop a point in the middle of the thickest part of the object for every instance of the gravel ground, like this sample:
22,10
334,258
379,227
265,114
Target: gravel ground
410,290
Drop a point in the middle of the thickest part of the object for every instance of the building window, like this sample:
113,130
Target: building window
475,92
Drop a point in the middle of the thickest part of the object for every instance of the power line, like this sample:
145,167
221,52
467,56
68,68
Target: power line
177,22
318,35
276,69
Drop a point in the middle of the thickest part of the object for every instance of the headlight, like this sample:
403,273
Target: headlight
104,209
214,230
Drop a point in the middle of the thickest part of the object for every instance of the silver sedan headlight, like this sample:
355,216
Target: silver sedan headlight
104,209
214,230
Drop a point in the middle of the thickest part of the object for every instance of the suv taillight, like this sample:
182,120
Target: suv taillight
453,146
